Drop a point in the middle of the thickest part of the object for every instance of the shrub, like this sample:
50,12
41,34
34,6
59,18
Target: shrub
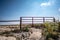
38,25
50,30
26,29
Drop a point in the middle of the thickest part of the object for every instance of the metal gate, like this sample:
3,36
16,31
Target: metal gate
31,20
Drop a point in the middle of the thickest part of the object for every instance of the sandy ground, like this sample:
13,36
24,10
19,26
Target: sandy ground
7,38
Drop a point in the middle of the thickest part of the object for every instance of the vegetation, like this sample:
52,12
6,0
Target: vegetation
38,26
25,29
51,30
58,26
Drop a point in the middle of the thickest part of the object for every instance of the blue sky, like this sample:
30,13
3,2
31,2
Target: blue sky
13,9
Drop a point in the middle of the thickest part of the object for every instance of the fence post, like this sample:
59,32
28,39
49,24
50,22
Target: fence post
20,23
53,19
43,19
32,21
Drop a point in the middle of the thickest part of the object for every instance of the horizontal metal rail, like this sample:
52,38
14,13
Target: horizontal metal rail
31,21
37,17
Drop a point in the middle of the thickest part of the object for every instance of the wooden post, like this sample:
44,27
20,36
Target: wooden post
32,21
20,23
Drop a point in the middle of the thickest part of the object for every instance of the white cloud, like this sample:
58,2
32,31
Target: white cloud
49,3
45,4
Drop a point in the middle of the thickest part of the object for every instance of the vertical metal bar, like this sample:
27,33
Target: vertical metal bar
20,23
43,19
53,19
32,21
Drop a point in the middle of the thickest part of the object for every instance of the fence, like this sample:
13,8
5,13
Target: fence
30,19
33,19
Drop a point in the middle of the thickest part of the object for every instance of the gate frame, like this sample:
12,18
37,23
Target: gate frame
33,19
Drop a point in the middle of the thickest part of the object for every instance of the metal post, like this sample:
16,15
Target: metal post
43,19
53,19
20,23
32,21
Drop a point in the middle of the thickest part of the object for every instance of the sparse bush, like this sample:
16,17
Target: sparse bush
36,25
39,25
50,30
26,29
